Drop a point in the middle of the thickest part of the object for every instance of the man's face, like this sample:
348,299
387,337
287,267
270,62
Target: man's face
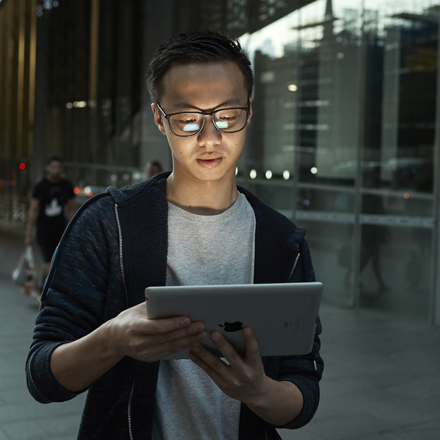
210,155
54,169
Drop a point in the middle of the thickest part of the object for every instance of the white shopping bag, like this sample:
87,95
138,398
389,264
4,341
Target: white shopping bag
25,274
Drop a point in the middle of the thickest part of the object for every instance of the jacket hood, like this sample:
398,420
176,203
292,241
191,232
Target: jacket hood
297,238
128,194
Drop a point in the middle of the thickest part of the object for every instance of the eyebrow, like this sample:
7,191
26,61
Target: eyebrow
181,105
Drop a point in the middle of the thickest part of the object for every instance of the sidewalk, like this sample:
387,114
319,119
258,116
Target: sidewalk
21,417
380,382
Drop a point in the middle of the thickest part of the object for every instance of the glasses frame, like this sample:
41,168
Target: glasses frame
169,115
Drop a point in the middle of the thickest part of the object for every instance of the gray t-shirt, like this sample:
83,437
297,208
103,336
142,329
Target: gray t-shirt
203,250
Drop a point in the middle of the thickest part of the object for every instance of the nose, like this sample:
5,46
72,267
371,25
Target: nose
209,134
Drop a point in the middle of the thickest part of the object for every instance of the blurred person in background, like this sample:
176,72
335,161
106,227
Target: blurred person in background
50,210
152,168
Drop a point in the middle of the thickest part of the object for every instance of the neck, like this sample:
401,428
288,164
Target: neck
202,198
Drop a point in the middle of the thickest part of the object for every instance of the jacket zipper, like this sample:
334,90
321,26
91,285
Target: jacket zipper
120,252
130,432
294,266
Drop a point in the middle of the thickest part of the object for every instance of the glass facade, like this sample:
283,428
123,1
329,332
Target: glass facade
345,145
344,137
347,92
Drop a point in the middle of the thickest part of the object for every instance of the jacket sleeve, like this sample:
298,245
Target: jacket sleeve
304,371
73,300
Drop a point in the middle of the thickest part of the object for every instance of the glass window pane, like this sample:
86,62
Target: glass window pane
345,104
396,270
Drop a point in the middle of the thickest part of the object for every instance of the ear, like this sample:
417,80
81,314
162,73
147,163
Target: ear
251,98
158,118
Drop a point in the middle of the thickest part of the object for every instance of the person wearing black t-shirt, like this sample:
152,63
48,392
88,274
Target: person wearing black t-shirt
48,211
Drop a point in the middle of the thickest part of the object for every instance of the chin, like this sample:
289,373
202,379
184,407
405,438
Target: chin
214,175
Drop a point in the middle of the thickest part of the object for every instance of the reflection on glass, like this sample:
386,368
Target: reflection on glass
344,113
400,284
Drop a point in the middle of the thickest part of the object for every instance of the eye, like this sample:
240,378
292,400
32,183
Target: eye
186,120
228,115
227,118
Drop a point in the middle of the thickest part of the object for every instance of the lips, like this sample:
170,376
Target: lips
209,162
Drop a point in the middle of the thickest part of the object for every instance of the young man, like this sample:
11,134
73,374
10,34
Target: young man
192,226
48,211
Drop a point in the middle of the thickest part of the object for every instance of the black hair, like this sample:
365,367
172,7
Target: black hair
54,159
197,47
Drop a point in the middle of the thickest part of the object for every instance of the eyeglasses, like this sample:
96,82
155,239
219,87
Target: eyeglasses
226,120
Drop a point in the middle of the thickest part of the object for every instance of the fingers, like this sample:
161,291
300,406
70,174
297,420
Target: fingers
193,329
161,326
231,355
225,348
149,340
243,379
175,345
252,348
204,358
151,348
219,371
156,326
210,364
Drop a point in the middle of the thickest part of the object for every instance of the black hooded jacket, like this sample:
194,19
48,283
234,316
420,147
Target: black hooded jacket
115,247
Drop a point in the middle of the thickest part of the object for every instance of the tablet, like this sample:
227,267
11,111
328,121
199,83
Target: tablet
282,316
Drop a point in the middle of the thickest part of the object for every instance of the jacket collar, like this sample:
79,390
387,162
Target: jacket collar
277,242
143,212
288,233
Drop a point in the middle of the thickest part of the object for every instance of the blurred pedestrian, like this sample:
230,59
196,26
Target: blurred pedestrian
48,212
373,239
152,168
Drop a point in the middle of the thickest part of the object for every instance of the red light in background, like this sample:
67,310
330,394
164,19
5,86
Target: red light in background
76,190
22,166
406,195
12,183
90,193
13,175
2,187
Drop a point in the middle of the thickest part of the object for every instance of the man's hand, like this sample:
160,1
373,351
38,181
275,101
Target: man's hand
133,334
244,379
76,365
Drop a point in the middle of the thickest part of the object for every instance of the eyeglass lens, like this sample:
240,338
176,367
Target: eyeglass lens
228,121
